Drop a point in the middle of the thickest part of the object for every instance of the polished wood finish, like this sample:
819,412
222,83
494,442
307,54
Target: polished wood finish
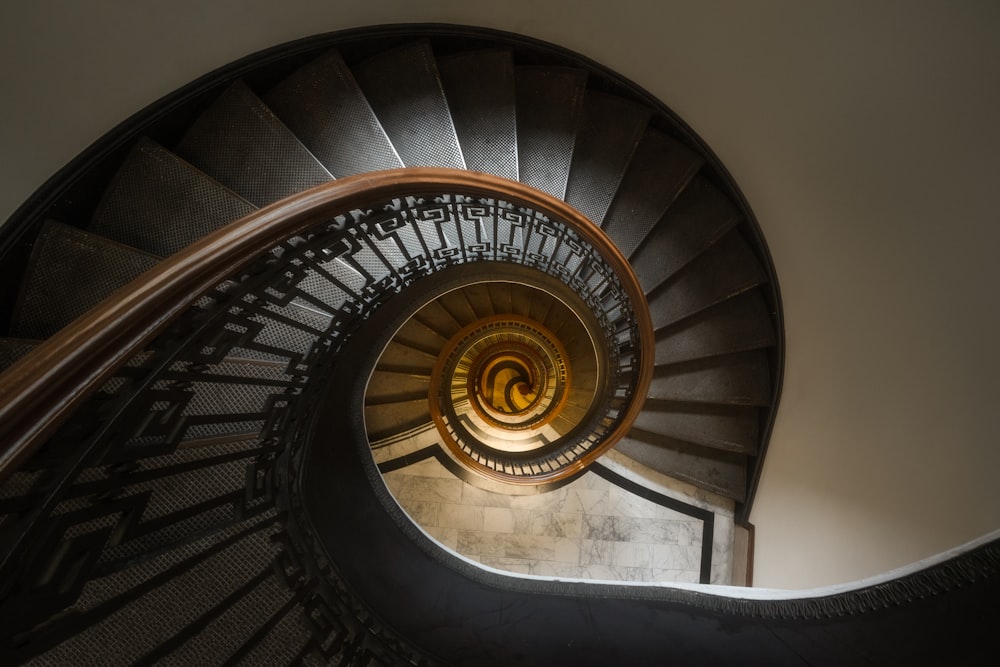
42,390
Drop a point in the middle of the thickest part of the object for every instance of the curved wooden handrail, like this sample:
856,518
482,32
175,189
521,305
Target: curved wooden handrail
41,391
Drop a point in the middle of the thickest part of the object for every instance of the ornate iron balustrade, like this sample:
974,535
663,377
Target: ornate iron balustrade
161,418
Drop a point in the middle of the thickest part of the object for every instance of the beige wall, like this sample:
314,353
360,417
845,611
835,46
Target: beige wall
865,136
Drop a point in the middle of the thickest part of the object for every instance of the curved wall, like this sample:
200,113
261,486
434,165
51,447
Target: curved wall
863,136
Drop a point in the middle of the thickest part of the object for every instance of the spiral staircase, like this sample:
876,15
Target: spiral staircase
593,280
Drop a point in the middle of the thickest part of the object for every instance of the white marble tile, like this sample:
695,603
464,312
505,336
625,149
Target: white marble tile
428,468
676,557
550,500
589,501
463,517
675,576
431,489
477,543
422,512
498,519
474,496
540,547
617,554
606,528
446,536
546,568
396,482
518,565
600,572
689,533
555,524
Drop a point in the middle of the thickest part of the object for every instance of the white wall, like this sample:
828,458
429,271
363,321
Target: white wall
865,135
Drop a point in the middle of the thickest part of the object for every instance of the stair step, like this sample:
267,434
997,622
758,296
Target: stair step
12,349
242,144
159,203
404,90
383,421
459,306
478,296
69,272
479,87
501,298
728,268
729,427
737,324
610,130
419,336
660,169
436,317
739,379
549,106
323,106
700,217
397,355
386,395
522,298
384,384
717,471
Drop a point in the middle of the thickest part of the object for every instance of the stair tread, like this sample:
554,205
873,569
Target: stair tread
159,203
737,324
701,216
71,271
610,130
549,106
435,316
399,355
739,379
242,144
404,90
726,269
478,296
457,303
383,421
660,169
12,349
479,86
323,106
717,471
728,427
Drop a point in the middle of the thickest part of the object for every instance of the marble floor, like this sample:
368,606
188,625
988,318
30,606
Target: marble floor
588,529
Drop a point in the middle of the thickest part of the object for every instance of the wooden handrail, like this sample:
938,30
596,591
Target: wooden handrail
42,390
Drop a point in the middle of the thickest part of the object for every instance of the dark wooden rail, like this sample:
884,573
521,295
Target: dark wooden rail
42,390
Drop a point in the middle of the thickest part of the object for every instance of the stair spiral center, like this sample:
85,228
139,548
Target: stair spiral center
511,372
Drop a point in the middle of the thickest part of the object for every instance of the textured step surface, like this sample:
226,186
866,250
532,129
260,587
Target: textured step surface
549,105
732,428
728,268
718,471
610,129
383,421
740,323
404,90
700,217
660,169
479,87
739,379
323,106
159,203
241,143
70,272
389,387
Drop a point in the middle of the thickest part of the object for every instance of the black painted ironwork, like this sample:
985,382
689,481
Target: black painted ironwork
179,454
